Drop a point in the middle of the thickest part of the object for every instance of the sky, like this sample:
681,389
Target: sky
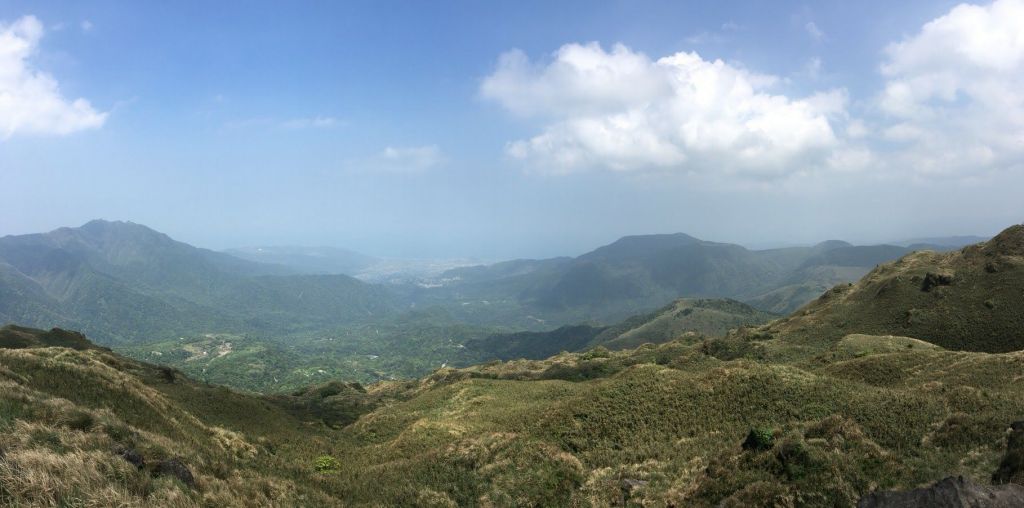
512,129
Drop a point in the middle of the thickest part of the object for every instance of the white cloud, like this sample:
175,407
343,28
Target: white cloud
30,100
404,159
86,26
317,122
622,111
815,32
954,92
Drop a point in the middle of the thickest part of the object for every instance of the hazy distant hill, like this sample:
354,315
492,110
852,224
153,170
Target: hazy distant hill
639,273
121,281
309,260
953,242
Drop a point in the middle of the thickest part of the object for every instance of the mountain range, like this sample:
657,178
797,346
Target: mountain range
136,289
899,386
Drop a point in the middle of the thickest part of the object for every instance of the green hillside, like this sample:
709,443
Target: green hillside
691,317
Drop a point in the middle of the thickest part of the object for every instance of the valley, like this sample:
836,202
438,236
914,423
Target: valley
296,319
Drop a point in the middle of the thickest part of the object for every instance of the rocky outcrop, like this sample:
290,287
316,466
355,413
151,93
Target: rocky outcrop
130,455
1011,468
952,492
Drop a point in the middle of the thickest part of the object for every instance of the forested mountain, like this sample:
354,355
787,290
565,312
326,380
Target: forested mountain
120,281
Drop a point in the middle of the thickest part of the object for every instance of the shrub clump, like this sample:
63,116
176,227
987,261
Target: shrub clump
327,464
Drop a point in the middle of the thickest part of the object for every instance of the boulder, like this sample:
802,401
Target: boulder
176,468
932,280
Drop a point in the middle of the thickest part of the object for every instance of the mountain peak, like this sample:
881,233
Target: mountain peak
832,244
641,245
97,226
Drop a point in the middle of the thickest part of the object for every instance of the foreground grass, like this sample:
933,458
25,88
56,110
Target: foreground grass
659,425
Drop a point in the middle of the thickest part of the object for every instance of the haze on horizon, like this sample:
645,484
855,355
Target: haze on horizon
513,129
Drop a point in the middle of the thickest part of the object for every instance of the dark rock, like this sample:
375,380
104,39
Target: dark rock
167,374
952,492
628,486
132,456
176,468
932,280
759,439
1011,468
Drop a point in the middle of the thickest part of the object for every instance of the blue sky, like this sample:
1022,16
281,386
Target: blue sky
508,129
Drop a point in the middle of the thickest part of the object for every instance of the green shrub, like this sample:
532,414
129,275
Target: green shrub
597,352
327,464
79,420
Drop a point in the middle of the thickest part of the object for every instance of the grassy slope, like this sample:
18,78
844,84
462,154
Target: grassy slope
64,413
703,316
964,300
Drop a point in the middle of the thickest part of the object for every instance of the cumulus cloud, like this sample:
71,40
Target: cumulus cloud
623,111
954,91
30,100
